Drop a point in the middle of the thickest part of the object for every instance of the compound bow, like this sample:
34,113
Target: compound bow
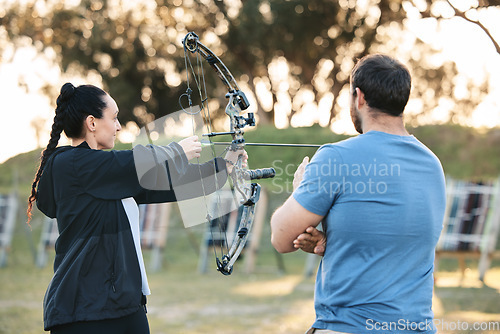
240,175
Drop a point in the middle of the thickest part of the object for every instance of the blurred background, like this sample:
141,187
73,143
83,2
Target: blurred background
292,59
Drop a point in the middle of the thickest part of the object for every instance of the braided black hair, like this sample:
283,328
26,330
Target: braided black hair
73,105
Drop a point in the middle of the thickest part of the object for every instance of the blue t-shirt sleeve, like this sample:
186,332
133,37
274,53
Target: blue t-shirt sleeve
320,187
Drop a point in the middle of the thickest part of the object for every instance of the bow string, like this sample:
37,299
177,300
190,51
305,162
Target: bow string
247,192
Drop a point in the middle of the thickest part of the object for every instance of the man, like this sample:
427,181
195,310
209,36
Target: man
381,198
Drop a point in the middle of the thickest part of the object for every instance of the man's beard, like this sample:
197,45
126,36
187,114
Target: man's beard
356,120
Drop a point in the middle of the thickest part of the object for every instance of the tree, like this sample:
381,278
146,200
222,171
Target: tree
465,14
131,50
310,34
292,57
472,94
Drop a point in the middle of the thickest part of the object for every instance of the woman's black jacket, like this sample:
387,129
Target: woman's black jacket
96,270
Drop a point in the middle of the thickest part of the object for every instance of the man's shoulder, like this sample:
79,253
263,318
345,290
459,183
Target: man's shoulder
339,145
351,142
338,152
348,146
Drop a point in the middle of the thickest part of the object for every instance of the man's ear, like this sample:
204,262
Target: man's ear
90,123
359,98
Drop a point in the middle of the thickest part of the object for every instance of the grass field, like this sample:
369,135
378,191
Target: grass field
266,301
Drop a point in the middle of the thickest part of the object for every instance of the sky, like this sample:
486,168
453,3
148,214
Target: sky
23,72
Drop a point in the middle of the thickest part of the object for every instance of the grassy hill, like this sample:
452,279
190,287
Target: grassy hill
464,152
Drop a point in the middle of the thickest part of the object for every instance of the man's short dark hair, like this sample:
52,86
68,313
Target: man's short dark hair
385,82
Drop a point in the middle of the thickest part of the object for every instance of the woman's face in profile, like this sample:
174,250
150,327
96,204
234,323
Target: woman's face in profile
107,126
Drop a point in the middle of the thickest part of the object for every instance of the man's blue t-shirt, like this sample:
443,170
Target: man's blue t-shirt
384,199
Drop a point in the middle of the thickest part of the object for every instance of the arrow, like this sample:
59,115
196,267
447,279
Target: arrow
262,144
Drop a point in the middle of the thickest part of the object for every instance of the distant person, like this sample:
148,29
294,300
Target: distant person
381,199
99,284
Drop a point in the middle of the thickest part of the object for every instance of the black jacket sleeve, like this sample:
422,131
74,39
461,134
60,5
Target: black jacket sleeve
197,180
151,174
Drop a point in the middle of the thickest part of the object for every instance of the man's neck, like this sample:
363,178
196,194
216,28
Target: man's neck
385,123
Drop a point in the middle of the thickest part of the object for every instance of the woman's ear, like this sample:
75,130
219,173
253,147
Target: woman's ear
90,123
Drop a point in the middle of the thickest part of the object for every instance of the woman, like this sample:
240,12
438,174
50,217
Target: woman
99,283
